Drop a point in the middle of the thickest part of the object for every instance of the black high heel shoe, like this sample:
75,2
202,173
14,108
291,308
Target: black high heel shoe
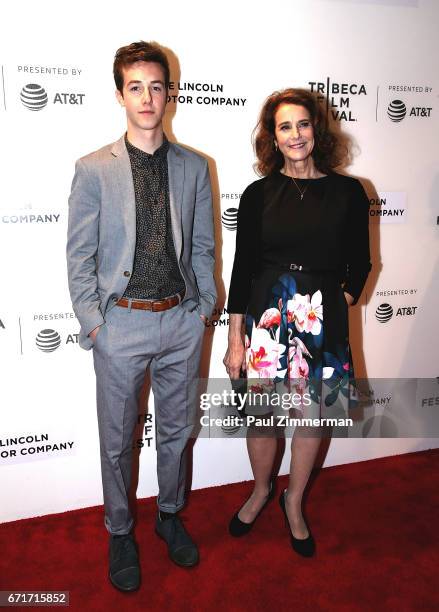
238,528
306,547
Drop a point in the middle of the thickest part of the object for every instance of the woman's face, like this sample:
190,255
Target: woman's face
293,132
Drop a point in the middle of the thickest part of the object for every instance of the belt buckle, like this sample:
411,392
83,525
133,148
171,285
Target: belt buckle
156,303
295,267
167,302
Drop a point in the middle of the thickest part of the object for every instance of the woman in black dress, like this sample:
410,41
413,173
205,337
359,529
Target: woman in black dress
302,257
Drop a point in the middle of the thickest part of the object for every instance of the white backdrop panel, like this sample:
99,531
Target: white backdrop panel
364,57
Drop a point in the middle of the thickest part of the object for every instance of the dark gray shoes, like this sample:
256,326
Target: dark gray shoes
124,560
124,563
181,548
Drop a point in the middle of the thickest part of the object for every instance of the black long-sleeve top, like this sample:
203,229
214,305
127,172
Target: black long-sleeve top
327,230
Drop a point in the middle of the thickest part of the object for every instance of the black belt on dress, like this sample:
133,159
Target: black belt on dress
293,267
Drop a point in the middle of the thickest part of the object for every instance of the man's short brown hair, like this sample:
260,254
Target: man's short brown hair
139,52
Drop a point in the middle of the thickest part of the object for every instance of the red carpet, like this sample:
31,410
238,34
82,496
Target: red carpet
375,524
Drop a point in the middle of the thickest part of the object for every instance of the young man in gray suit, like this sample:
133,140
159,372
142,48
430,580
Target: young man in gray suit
140,257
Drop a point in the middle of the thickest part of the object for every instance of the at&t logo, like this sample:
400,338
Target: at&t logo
385,312
229,219
48,340
397,110
35,98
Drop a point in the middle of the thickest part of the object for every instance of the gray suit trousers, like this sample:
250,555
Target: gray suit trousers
129,342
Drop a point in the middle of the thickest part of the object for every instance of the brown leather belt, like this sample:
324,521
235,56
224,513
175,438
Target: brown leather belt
154,305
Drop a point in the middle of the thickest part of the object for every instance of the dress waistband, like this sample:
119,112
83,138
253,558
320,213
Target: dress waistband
293,267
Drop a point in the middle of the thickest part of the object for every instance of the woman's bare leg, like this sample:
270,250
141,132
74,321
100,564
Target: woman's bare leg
262,452
304,447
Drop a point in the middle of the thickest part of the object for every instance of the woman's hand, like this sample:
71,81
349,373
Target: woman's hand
234,359
349,298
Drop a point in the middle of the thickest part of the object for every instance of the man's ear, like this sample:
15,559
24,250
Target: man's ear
119,97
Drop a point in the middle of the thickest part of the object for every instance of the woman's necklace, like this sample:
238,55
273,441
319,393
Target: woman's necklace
302,193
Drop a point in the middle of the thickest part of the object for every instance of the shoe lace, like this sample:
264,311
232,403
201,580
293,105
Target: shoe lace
124,547
177,525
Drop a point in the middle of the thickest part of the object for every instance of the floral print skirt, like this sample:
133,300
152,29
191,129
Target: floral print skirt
297,340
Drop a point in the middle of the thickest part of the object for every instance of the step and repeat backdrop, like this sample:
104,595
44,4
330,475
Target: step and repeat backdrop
372,62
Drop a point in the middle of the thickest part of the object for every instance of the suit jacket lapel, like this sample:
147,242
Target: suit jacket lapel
122,180
123,187
176,180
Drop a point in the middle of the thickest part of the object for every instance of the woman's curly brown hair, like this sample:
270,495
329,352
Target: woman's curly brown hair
327,153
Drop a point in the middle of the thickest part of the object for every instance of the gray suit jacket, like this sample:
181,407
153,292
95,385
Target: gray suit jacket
102,231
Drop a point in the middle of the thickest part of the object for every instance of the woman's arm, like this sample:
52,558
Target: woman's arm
246,251
358,252
244,266
234,359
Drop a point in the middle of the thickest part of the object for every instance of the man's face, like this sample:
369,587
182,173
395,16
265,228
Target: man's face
144,95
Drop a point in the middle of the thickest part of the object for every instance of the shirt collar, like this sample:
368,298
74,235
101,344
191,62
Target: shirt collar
159,154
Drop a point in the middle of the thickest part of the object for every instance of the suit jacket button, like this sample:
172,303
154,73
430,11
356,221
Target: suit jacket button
126,273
